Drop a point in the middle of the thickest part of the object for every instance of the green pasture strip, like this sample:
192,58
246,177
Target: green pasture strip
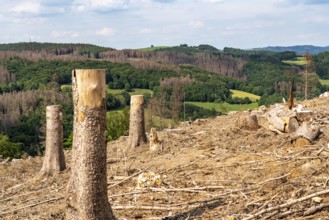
224,107
324,82
242,94
300,61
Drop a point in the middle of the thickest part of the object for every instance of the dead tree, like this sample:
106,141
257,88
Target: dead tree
87,189
137,134
291,96
54,160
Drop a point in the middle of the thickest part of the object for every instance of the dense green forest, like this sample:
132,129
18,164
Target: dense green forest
34,75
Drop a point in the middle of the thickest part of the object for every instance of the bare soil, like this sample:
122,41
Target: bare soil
209,169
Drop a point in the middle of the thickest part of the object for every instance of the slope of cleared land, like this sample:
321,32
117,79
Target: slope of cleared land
209,169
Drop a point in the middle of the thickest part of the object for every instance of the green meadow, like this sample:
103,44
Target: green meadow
300,61
242,94
224,107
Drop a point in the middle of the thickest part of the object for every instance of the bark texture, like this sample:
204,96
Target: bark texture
137,134
87,189
54,160
305,135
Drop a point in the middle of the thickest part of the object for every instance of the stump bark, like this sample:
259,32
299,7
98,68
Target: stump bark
137,134
54,160
87,189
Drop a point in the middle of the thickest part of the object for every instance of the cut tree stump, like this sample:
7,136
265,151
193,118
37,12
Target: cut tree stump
54,160
305,135
87,197
137,134
247,121
155,143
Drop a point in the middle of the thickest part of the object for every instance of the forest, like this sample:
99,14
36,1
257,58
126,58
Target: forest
34,75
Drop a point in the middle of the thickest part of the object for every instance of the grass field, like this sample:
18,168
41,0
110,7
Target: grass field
324,82
224,107
242,94
300,61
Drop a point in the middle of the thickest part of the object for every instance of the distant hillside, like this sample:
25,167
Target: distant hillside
54,48
301,49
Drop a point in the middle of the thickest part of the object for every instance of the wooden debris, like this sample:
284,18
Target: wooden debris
148,179
305,135
304,115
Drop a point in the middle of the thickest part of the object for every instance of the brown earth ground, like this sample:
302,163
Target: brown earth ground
209,169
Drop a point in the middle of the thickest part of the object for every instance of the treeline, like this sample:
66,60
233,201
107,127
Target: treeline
56,48
321,62
22,116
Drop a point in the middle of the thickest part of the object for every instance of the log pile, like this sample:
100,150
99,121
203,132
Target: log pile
280,119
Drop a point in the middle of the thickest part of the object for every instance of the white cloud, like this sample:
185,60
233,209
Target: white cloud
196,24
102,5
105,32
30,7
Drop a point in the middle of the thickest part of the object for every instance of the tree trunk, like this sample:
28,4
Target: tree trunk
87,189
305,135
137,134
54,160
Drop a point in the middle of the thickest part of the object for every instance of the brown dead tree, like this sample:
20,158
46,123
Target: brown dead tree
54,160
137,134
87,189
291,96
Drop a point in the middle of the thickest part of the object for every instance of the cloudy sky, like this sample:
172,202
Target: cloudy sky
141,23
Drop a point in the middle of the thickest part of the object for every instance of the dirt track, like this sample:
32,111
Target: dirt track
209,170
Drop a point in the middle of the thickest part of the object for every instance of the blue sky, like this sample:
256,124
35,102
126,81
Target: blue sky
140,23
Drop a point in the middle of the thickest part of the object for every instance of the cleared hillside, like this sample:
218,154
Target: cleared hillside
209,169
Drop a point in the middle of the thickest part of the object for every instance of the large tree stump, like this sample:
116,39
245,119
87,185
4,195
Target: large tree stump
54,160
87,189
247,121
305,135
137,134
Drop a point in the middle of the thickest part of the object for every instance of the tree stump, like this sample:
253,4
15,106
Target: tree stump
305,135
54,160
155,143
247,121
87,189
137,134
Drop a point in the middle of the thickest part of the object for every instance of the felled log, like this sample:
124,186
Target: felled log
291,124
276,122
305,135
304,115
